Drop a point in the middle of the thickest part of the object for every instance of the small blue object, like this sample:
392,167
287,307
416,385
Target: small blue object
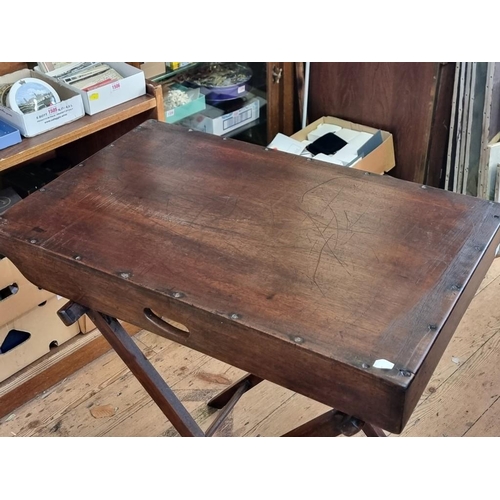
8,135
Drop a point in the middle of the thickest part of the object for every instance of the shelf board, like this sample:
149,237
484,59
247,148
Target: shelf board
170,73
32,147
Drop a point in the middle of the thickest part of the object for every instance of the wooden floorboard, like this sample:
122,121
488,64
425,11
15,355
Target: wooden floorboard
462,398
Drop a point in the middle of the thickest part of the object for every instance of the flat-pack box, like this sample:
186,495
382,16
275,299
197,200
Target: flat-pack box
214,121
17,294
85,324
152,69
132,85
30,124
378,161
31,336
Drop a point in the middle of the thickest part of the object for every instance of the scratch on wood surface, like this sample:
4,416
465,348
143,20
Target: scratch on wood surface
326,243
319,185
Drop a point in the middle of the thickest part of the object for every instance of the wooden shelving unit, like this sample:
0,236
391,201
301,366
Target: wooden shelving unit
131,112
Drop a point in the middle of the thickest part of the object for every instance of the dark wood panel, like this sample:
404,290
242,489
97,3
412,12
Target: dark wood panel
397,97
280,92
440,128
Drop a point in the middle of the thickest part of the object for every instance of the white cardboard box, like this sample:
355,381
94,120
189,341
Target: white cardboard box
213,120
69,109
132,85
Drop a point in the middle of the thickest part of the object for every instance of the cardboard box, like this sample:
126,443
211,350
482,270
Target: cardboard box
379,161
33,334
17,294
132,85
68,110
85,324
214,121
152,69
8,135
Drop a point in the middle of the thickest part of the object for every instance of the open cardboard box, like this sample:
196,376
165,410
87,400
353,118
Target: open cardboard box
69,109
132,85
379,161
44,330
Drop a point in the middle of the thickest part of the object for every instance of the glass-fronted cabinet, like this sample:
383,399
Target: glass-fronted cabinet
249,101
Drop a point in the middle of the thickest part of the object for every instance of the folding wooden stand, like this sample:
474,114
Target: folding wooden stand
330,424
339,285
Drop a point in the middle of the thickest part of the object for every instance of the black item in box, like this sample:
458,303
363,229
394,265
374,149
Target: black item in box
327,144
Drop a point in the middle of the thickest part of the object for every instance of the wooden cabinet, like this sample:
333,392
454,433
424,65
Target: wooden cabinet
271,82
410,100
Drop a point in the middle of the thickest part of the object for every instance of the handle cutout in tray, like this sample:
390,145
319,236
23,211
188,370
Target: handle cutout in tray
167,325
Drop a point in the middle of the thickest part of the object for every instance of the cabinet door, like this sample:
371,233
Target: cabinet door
249,101
280,84
397,97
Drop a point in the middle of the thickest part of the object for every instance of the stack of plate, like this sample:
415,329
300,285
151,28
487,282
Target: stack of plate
28,95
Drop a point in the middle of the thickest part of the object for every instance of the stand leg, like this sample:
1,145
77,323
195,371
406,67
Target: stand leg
372,431
227,409
144,371
330,424
223,397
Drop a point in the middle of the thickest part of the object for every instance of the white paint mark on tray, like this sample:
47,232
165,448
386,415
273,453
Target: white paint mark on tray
383,364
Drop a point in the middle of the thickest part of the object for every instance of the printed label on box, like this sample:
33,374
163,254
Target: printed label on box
170,112
94,97
238,117
241,89
53,113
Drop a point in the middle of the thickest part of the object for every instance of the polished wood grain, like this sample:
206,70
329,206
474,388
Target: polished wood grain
397,97
462,397
299,272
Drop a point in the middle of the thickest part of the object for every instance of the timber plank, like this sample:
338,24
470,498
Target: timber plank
458,402
488,423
